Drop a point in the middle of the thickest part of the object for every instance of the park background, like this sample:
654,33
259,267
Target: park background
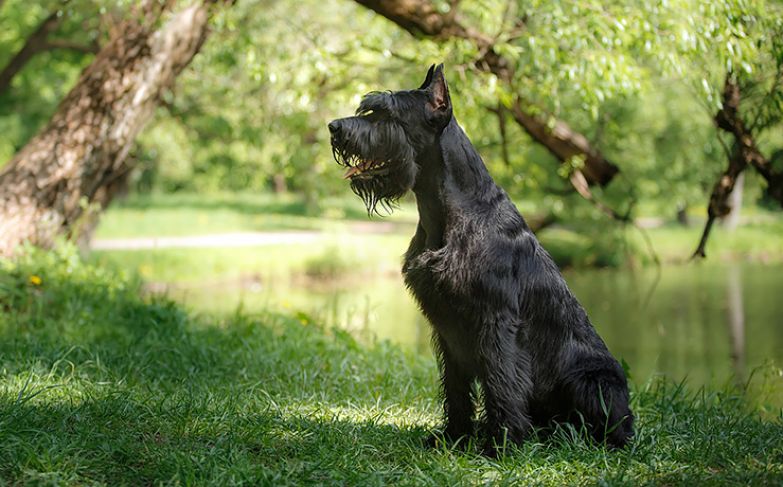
213,305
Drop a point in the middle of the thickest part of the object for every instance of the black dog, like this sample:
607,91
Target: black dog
500,310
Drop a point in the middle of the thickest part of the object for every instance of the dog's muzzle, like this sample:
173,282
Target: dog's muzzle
357,166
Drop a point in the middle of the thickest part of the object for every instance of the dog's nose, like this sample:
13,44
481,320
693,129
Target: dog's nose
334,127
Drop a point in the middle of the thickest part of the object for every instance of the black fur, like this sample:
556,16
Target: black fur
500,310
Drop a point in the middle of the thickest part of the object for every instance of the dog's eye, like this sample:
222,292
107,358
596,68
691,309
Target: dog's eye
375,115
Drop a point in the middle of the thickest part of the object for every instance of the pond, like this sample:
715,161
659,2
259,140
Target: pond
705,323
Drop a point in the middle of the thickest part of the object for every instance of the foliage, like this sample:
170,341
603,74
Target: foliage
330,264
37,90
640,80
101,386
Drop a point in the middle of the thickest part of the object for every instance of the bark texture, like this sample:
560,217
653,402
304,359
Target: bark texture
78,160
421,18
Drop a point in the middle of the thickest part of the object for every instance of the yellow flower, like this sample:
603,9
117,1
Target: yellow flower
35,280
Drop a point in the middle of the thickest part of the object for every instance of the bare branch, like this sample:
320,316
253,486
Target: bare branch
500,112
579,182
744,153
34,44
92,48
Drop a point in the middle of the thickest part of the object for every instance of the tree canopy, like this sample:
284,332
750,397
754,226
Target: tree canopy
589,108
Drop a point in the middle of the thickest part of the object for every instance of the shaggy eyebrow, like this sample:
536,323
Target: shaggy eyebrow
375,102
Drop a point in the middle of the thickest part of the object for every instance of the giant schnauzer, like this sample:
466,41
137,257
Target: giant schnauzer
500,311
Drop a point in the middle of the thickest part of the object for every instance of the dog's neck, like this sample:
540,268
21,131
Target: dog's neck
451,175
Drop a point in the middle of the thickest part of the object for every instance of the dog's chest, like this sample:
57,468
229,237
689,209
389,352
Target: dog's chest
440,280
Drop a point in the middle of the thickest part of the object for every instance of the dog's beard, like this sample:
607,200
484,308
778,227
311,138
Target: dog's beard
379,183
380,174
378,191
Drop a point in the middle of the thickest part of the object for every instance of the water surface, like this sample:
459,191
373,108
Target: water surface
708,324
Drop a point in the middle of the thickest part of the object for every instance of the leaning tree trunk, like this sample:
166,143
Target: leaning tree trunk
78,159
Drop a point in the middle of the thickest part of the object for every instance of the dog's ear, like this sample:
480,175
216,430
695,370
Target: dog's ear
440,102
428,78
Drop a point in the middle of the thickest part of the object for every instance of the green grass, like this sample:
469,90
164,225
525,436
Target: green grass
673,244
195,214
340,252
759,240
572,245
101,386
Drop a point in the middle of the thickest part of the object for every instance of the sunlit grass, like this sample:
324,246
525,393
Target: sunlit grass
339,252
195,214
101,386
344,221
760,240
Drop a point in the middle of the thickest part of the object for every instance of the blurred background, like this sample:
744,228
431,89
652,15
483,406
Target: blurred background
186,143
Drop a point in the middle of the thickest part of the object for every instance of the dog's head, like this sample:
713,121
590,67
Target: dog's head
384,144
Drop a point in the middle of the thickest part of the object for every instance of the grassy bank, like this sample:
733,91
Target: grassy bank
100,386
345,223
197,214
332,255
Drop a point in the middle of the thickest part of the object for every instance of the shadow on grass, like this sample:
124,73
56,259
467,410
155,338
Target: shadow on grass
100,385
123,439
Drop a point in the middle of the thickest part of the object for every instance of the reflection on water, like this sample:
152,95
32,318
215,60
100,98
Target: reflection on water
706,323
703,323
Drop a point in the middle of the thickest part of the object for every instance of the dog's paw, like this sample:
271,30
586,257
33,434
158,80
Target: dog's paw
621,434
434,440
620,437
491,450
439,440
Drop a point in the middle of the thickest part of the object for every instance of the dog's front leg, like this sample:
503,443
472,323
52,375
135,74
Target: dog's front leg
506,383
457,400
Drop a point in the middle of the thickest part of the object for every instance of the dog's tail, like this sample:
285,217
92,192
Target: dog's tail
598,391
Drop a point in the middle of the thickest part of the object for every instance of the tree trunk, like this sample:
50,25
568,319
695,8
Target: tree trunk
719,199
731,221
420,17
682,215
279,183
78,159
745,153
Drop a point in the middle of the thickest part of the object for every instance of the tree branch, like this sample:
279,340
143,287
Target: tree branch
39,42
579,182
34,44
565,143
91,48
500,112
421,19
744,153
